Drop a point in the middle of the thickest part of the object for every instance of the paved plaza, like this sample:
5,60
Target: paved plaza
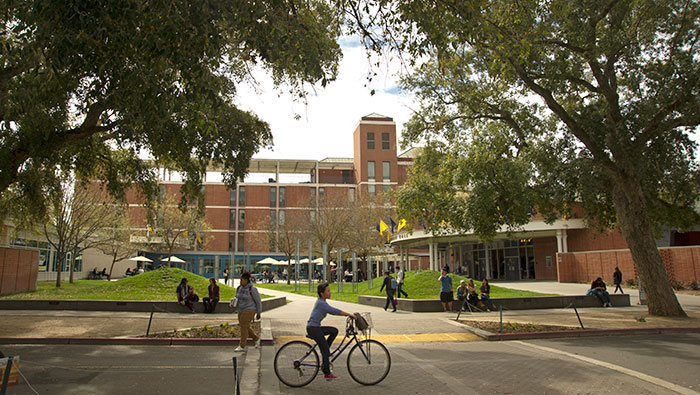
431,353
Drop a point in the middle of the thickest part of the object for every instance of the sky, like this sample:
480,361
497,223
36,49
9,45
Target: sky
328,119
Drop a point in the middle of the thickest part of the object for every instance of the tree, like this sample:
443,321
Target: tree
282,234
363,238
86,86
175,227
329,224
546,104
114,239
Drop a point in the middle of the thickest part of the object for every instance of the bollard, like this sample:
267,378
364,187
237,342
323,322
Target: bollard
6,376
577,316
236,384
500,310
148,330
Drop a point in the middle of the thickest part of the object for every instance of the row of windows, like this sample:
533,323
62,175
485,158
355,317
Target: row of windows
386,171
385,140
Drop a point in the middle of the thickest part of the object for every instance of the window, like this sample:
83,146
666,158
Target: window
241,246
241,196
273,218
241,219
232,197
312,216
386,171
232,219
370,171
351,194
346,176
387,188
273,196
282,197
385,141
372,190
312,195
231,241
281,217
370,140
162,191
321,192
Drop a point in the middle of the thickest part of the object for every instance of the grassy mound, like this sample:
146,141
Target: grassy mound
156,285
418,285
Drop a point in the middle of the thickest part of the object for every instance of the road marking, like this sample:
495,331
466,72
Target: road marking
654,380
403,338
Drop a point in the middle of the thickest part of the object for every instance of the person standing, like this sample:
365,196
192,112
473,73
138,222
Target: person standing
213,299
399,281
390,284
249,306
446,294
617,280
226,275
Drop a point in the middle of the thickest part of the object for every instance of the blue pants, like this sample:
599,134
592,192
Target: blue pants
319,333
390,299
401,291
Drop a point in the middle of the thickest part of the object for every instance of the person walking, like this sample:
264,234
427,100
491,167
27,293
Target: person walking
226,275
446,294
318,332
617,280
212,300
399,281
249,306
391,285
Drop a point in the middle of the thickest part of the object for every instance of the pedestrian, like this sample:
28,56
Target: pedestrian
226,275
617,280
248,305
485,294
399,281
184,294
391,285
317,332
446,294
213,299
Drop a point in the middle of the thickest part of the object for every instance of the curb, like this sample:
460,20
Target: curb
582,333
129,341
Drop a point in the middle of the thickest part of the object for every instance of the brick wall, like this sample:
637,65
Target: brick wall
682,264
19,268
544,247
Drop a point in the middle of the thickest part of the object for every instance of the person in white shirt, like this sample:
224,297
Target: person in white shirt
399,280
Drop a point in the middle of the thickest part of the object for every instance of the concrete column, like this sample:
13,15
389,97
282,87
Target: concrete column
488,260
431,256
564,243
216,267
560,247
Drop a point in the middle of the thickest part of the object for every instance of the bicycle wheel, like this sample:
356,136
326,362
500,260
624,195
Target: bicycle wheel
369,362
296,363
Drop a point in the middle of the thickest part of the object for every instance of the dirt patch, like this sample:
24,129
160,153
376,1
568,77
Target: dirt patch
688,292
224,330
516,327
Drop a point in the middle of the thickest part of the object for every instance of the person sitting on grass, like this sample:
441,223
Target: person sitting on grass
599,289
184,294
485,292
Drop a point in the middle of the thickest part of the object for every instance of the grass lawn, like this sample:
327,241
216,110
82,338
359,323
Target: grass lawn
418,285
156,285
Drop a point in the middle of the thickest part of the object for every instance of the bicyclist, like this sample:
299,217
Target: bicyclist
318,332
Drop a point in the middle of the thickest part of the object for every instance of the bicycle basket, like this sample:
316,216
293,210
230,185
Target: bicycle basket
363,321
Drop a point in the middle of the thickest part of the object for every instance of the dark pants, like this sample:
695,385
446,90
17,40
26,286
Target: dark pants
604,296
319,333
209,305
401,291
390,299
617,286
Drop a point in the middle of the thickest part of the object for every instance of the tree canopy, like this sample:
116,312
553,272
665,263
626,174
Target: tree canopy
89,85
539,105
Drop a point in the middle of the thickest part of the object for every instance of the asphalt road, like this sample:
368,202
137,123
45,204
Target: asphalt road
615,365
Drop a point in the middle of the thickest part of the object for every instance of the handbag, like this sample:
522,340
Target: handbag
234,302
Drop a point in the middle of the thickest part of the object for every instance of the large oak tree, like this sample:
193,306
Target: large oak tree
543,104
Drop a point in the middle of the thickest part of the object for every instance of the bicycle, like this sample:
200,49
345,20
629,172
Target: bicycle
297,362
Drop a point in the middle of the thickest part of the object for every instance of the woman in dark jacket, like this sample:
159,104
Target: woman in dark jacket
213,299
485,292
617,280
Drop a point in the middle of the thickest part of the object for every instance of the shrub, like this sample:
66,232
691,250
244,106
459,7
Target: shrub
677,285
631,282
693,285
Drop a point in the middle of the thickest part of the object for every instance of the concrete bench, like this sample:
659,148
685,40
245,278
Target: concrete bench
522,303
126,305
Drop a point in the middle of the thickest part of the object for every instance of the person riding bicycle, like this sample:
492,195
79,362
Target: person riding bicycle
318,332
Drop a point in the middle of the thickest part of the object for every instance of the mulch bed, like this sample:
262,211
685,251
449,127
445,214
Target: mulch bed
225,330
516,327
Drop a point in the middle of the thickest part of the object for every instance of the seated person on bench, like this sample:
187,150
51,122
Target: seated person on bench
462,294
473,297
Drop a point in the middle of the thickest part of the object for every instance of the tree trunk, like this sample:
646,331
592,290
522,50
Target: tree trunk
60,268
111,267
634,223
72,267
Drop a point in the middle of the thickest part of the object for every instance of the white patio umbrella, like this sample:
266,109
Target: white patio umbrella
173,258
318,260
267,261
305,260
321,263
282,263
140,259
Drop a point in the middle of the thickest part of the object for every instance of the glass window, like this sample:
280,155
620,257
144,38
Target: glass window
282,217
312,195
241,219
231,241
370,171
241,196
351,194
372,190
387,188
232,197
282,197
386,171
321,192
273,217
273,196
232,219
312,216
385,141
207,265
241,246
370,140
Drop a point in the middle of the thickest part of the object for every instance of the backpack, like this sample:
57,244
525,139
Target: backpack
394,285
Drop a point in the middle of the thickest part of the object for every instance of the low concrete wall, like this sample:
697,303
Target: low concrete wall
524,303
116,305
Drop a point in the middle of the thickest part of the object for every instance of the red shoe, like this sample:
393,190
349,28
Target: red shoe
330,377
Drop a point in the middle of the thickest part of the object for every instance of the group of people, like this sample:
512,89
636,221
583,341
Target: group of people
137,270
599,290
466,293
187,297
97,275
394,288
